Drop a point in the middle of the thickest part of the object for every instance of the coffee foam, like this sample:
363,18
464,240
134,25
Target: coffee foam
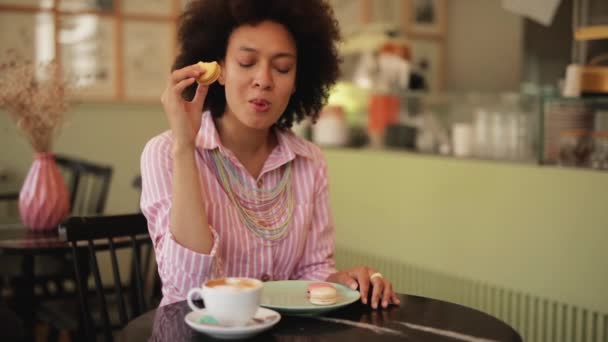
229,288
232,284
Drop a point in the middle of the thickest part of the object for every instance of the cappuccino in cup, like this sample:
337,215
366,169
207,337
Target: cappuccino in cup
233,283
231,301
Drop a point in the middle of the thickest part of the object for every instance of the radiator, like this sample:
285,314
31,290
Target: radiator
536,319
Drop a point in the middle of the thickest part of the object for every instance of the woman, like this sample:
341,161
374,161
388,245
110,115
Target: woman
229,190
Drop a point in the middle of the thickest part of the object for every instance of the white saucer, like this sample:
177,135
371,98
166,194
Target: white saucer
263,319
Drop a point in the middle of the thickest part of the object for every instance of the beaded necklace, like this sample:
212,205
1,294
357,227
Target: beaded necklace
266,212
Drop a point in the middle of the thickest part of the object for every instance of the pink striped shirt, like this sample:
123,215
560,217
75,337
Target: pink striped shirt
306,252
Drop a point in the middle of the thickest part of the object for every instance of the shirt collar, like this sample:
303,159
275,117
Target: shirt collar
209,139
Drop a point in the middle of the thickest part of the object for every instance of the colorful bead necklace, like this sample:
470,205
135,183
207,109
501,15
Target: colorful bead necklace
266,212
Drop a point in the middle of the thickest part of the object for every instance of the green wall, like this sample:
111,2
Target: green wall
113,134
541,230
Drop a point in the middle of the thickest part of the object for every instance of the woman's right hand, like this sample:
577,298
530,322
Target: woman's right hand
184,116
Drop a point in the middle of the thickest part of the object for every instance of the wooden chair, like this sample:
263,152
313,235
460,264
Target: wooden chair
115,232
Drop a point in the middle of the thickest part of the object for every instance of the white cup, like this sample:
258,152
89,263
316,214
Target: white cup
231,301
462,139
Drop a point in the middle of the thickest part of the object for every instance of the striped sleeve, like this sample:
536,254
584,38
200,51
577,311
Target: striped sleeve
179,267
317,261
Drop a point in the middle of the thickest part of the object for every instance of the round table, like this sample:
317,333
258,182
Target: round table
16,239
416,319
21,248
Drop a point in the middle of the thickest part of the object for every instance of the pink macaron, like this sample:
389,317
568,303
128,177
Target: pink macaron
321,293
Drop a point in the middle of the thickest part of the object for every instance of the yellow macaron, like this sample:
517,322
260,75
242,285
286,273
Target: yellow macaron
212,72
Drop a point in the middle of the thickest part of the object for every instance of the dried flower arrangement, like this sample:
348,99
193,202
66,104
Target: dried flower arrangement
35,95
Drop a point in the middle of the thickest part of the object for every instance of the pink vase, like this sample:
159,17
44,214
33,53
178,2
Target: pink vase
44,198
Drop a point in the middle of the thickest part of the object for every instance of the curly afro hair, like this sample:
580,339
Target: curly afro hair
206,26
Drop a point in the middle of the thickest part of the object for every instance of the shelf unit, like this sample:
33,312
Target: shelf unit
591,32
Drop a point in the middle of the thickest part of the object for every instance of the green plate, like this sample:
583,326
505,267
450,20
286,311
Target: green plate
289,297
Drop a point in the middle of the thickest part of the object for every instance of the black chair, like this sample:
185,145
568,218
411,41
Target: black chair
11,325
136,183
9,197
88,183
119,232
9,201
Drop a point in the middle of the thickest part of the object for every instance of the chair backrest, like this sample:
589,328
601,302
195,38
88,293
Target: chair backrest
88,183
136,184
111,233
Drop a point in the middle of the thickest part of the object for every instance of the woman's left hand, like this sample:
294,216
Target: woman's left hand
362,277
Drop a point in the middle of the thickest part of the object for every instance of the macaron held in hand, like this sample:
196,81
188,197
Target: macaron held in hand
211,74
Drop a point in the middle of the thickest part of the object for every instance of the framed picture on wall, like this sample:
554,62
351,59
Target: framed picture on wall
152,7
27,35
425,18
88,55
86,5
387,12
109,50
147,57
428,62
352,15
27,3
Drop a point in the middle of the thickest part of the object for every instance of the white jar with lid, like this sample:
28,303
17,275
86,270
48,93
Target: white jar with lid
331,128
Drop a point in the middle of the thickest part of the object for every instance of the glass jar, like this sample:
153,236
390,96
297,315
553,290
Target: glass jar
575,147
599,157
